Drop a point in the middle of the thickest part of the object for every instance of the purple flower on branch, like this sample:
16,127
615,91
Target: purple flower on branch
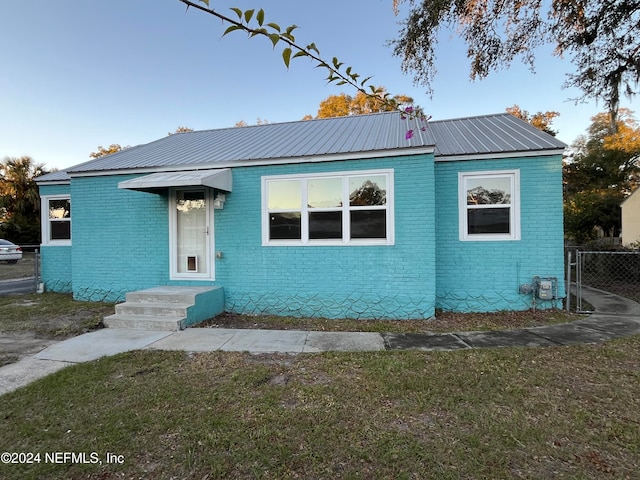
409,134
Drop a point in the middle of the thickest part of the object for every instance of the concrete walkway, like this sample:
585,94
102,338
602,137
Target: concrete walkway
614,317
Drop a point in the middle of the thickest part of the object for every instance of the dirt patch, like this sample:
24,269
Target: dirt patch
444,322
16,345
22,269
29,323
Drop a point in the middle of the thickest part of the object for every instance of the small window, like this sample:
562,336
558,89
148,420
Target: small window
328,209
56,220
489,205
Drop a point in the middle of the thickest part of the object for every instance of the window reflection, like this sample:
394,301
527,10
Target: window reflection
368,191
285,226
60,208
325,225
316,208
489,191
488,220
284,194
368,224
324,192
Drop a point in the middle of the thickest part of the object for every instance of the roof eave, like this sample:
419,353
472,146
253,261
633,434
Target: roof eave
496,155
381,154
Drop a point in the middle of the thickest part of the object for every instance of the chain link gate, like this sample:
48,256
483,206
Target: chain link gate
613,272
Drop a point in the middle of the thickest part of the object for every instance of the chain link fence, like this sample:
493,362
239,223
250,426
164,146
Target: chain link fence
25,274
616,272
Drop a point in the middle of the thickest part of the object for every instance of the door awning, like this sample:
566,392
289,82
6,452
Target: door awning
220,179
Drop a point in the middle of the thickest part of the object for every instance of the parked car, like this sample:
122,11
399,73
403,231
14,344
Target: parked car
9,252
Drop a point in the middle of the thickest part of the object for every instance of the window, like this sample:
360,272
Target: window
328,209
56,220
489,205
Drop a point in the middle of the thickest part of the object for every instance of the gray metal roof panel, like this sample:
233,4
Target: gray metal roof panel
53,177
334,136
323,137
499,133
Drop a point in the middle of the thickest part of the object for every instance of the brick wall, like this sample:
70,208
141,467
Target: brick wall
55,266
486,275
120,243
120,239
385,281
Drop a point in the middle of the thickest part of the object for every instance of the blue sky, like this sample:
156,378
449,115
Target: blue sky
77,74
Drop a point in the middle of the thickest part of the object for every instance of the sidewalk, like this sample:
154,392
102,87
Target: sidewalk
614,317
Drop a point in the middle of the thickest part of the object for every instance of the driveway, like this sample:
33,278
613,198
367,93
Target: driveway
17,285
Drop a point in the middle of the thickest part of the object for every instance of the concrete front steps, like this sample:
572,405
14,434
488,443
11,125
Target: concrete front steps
167,308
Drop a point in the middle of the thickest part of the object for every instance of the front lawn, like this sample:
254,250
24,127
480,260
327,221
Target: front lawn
51,315
571,412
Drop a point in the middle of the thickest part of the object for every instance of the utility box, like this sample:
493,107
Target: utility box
545,290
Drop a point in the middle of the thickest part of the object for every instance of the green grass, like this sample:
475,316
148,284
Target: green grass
571,412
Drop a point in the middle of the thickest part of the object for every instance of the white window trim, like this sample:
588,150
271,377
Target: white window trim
173,242
345,241
45,220
514,217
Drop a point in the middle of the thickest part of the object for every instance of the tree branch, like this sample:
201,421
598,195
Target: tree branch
275,34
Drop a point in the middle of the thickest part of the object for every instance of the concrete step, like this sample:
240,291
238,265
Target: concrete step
144,322
167,308
166,295
155,309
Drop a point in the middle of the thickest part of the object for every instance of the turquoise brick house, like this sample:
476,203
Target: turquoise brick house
333,218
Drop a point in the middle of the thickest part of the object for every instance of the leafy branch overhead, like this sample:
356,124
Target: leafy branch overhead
254,24
600,37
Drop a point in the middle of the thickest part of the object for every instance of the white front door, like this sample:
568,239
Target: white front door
191,234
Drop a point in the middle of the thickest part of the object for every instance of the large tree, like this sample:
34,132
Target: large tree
102,151
600,37
604,169
20,200
343,105
540,120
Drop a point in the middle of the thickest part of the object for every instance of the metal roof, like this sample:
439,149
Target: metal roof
53,177
380,134
220,179
489,134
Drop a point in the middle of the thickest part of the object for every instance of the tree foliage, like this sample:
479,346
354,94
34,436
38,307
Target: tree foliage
259,121
102,151
181,129
342,105
601,37
540,120
20,199
603,171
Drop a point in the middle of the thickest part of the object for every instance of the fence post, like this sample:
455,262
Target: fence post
578,281
569,281
36,269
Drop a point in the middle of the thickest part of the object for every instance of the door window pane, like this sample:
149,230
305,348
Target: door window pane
191,225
